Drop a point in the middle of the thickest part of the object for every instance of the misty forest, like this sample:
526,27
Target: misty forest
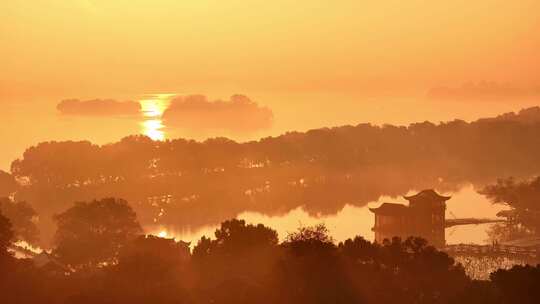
74,216
269,152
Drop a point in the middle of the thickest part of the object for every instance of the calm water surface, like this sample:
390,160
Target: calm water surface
33,122
352,221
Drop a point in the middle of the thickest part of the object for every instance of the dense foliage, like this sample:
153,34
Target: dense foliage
246,264
92,234
8,184
6,234
23,218
188,184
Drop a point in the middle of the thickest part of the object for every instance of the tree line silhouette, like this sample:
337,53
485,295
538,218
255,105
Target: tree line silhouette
100,256
187,184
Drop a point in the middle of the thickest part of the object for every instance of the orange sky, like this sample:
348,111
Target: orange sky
124,47
314,63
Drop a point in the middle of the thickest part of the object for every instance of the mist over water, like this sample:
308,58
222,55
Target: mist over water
329,175
37,120
352,221
291,152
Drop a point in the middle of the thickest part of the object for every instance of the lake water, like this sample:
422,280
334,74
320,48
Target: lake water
33,122
352,221
28,121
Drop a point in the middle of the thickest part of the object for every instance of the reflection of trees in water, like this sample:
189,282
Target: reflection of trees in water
523,219
479,268
508,231
193,184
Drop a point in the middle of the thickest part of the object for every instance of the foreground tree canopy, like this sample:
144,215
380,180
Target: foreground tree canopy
6,236
185,183
91,234
8,184
23,218
245,263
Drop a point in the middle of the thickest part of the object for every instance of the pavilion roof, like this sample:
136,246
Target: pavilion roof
428,195
390,209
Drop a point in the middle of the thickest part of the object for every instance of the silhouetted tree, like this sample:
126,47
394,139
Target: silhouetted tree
184,183
522,198
236,237
23,218
150,258
240,258
521,284
149,270
8,185
92,234
407,271
245,264
360,250
428,275
6,235
478,292
311,271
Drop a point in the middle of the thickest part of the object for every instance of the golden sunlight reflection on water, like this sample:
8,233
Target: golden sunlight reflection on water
352,220
152,108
